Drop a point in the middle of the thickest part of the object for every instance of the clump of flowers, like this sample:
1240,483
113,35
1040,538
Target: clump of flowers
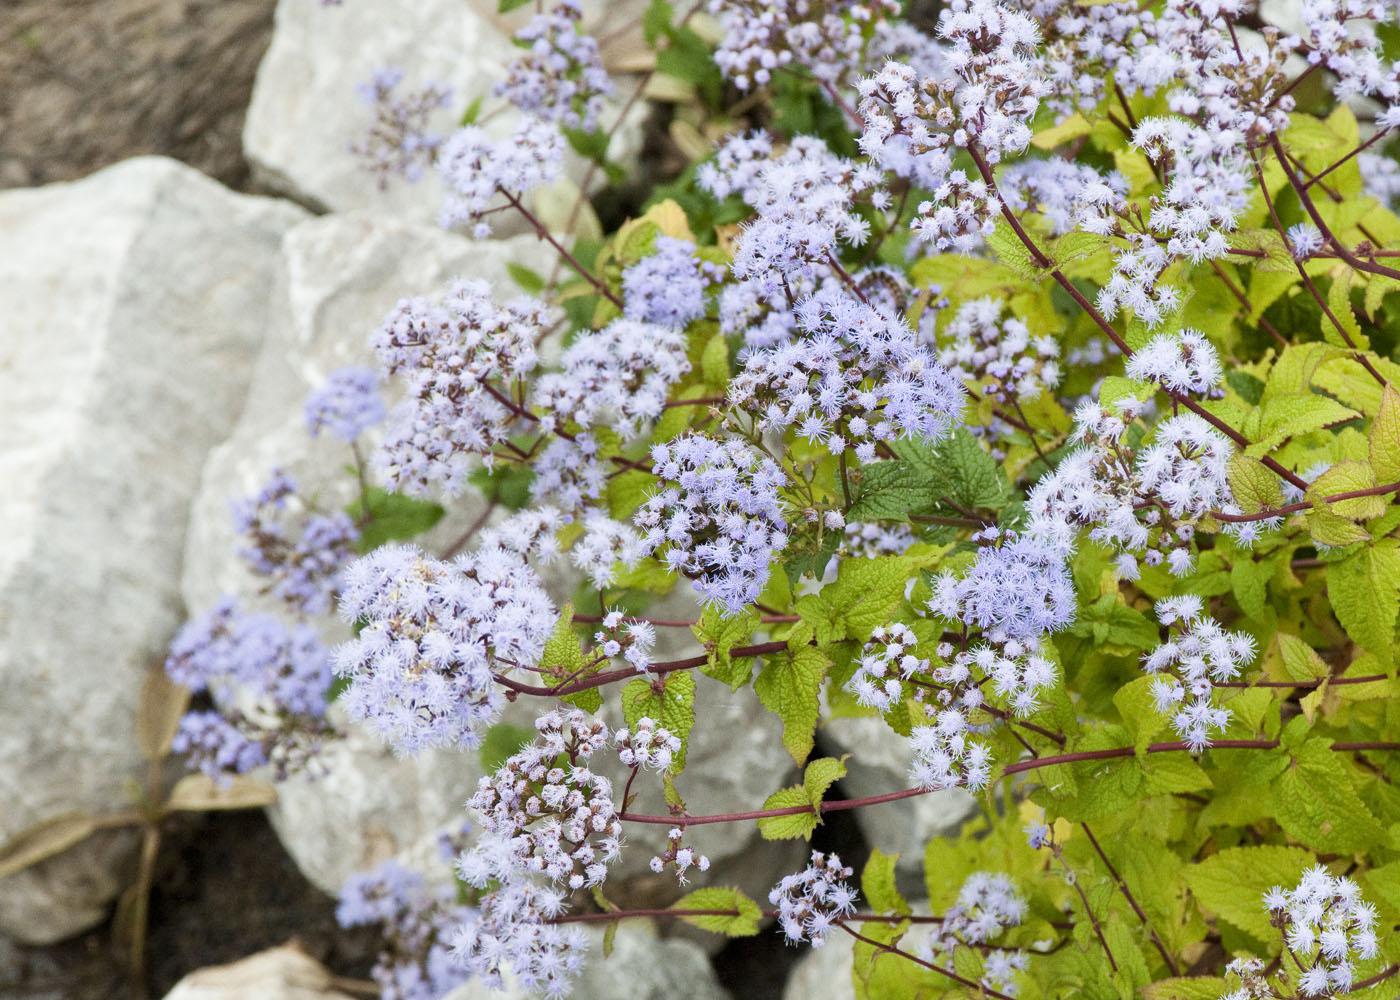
988,905
825,39
857,379
812,901
560,75
301,552
1327,927
269,686
463,358
678,856
415,961
718,520
884,662
556,815
483,173
669,286
1183,362
996,356
399,142
347,405
1198,654
422,667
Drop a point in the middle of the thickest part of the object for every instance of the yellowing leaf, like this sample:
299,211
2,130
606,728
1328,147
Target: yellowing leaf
1255,487
743,923
1384,438
1342,478
200,793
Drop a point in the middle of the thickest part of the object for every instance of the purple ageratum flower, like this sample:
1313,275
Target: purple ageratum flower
216,746
718,517
414,962
303,564
668,287
481,172
225,650
422,668
398,142
347,405
560,75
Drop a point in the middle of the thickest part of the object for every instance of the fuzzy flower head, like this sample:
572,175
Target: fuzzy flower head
268,683
1182,363
988,905
943,753
1327,926
1197,654
559,75
668,287
812,901
421,668
679,857
995,355
300,552
556,815
461,358
823,39
414,961
856,379
718,518
1018,587
482,173
347,405
617,377
605,545
399,141
885,661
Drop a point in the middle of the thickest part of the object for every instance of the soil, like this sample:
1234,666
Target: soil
85,83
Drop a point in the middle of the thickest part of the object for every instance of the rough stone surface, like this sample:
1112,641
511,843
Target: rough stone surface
305,111
641,967
824,972
284,973
134,304
339,276
880,763
87,84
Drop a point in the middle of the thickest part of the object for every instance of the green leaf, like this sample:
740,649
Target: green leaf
714,362
891,491
1232,884
793,825
1110,622
1186,988
1347,477
1317,803
1300,661
1285,416
506,6
820,775
719,634
1136,705
1384,438
744,923
1339,303
877,882
564,657
1255,487
502,741
789,686
391,517
1364,589
531,282
672,707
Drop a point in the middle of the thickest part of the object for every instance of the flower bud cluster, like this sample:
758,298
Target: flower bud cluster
885,661
679,857
812,901
559,76
1197,654
988,905
1327,926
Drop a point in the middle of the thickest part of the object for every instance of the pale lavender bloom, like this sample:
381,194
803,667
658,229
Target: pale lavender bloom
482,173
669,287
988,905
347,405
559,76
811,902
398,142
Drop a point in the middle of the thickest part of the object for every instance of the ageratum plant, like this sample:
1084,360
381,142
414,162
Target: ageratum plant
1023,377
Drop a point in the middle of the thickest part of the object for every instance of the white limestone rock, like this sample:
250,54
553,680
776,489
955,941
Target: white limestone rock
285,973
305,111
135,301
824,972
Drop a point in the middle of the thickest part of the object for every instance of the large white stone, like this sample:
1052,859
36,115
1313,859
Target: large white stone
641,967
879,763
305,111
824,972
134,303
285,973
339,276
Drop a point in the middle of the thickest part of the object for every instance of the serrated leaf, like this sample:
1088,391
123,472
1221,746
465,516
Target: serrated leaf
1339,304
1383,439
1317,804
1186,988
719,634
793,825
820,775
672,708
564,659
1255,488
1347,477
1232,884
1286,416
391,517
744,923
201,793
1333,530
1364,589
789,686
1299,660
877,882
1138,708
